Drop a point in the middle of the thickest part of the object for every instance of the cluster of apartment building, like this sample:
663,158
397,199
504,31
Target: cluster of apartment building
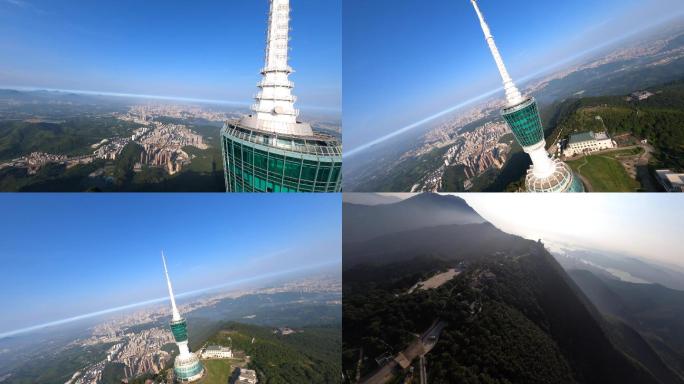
163,146
142,353
90,375
480,149
146,112
110,149
162,143
139,352
34,161
477,150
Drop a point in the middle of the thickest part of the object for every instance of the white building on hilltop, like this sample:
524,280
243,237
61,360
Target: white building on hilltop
244,376
672,182
587,142
284,331
641,95
217,352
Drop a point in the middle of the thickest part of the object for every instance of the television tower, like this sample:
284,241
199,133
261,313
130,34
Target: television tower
269,150
186,366
522,116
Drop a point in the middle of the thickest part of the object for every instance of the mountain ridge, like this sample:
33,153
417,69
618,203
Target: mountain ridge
425,210
496,270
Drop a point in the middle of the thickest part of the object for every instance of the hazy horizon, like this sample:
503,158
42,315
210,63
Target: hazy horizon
645,226
171,100
250,283
100,253
189,50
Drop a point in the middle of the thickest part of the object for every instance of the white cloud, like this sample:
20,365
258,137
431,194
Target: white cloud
18,3
24,5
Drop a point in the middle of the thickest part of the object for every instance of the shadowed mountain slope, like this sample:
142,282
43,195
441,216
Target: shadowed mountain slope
362,222
514,315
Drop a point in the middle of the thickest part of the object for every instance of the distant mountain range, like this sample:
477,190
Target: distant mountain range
649,313
42,96
363,222
514,315
370,198
628,269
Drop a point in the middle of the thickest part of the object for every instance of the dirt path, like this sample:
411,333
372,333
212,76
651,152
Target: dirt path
587,185
579,169
435,281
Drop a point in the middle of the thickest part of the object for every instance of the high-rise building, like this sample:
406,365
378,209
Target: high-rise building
270,150
186,366
521,114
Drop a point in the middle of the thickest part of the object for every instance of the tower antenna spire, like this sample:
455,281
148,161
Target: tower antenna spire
513,95
273,128
274,108
176,314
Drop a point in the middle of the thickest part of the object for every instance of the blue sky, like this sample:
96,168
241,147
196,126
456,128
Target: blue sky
65,255
408,60
207,49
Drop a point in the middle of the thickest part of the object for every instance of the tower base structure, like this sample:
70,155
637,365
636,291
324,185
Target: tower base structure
187,368
561,179
545,174
257,160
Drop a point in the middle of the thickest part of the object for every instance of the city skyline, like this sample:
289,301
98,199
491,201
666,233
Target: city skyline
103,256
193,52
460,71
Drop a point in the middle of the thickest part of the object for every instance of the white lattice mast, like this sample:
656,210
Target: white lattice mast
513,95
274,108
176,314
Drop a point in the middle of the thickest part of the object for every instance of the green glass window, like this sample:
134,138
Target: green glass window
179,330
260,159
184,373
272,169
309,171
526,124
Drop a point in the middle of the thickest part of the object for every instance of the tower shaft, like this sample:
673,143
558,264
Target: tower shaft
274,108
513,95
278,36
524,121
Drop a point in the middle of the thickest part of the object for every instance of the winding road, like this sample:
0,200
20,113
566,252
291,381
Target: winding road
420,347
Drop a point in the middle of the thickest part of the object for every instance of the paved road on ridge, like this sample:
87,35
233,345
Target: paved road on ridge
419,347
